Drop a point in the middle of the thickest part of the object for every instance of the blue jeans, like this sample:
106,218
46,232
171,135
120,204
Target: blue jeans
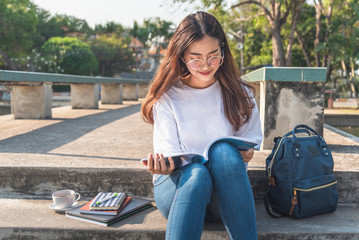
217,191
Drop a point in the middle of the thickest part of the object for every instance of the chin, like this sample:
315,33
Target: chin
205,79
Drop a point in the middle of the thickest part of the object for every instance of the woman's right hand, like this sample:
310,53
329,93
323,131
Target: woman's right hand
156,164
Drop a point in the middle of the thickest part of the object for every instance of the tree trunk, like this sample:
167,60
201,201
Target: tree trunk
352,66
303,49
277,16
328,16
318,24
296,13
278,52
10,64
328,69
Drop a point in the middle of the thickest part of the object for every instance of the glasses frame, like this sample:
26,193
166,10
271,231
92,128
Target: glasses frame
203,62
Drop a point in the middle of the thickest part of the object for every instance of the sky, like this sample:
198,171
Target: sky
119,11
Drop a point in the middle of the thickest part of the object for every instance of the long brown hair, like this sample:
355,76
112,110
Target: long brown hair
237,104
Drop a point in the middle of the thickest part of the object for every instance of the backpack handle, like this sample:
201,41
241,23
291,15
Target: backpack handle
298,129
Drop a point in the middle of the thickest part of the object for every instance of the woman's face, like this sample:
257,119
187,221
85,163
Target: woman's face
204,49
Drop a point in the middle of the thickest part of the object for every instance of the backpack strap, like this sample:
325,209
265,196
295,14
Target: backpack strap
268,208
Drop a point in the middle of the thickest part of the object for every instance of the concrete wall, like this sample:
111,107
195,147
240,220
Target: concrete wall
111,93
31,102
287,97
283,105
130,91
143,89
84,96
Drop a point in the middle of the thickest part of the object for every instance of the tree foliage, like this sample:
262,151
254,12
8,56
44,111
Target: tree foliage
60,25
322,33
151,29
18,25
71,55
113,55
32,39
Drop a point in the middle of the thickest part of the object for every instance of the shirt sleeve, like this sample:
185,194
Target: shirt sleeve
252,129
165,135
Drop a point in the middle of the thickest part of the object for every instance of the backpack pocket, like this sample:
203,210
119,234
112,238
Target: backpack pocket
314,196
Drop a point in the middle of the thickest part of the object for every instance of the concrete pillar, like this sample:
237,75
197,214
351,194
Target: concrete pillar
31,102
130,91
143,89
287,97
84,96
111,93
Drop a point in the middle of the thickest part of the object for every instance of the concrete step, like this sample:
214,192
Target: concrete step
99,150
32,219
40,182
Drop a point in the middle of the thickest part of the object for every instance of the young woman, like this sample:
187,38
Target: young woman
197,95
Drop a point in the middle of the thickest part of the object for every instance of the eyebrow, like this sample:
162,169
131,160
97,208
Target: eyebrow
199,54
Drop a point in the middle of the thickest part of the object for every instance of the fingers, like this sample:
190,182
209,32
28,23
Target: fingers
163,164
247,155
150,161
172,164
157,164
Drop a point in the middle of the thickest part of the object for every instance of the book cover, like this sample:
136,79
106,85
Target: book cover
86,209
114,201
134,206
180,159
106,224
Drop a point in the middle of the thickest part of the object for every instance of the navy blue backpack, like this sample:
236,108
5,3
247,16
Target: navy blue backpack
300,176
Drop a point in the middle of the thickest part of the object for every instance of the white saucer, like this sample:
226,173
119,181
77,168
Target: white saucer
57,209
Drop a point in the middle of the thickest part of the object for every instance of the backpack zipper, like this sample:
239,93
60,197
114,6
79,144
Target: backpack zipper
315,188
294,199
271,180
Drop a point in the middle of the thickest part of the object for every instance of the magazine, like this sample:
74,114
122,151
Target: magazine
179,159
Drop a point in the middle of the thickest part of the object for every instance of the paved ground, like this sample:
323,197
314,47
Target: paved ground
112,136
92,137
112,139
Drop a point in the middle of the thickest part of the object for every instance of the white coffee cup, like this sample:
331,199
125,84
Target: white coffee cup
65,198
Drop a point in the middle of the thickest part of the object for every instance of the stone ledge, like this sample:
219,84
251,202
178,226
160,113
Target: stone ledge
40,182
149,224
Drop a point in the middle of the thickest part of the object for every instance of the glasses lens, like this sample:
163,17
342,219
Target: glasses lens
195,64
214,61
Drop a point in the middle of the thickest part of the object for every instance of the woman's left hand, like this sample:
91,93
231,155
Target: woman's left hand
247,155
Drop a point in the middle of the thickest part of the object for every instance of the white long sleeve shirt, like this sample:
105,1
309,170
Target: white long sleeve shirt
187,119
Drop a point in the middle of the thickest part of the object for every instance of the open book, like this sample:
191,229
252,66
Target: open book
180,159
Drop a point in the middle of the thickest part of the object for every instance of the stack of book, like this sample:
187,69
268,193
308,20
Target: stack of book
108,207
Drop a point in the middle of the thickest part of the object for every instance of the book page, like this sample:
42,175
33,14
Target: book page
240,143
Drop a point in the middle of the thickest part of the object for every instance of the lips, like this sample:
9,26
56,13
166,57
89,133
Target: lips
205,73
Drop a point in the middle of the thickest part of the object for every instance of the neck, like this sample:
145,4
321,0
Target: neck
195,83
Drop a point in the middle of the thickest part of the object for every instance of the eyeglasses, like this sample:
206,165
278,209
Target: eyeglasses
197,64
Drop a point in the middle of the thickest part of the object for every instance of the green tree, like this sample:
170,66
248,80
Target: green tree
151,29
113,55
343,44
60,25
18,25
109,28
71,55
277,13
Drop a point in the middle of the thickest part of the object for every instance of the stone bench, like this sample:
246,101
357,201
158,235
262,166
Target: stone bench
31,93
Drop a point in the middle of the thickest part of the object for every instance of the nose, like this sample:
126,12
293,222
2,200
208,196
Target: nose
205,65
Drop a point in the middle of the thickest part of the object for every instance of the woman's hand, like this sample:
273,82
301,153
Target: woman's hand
247,155
157,165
